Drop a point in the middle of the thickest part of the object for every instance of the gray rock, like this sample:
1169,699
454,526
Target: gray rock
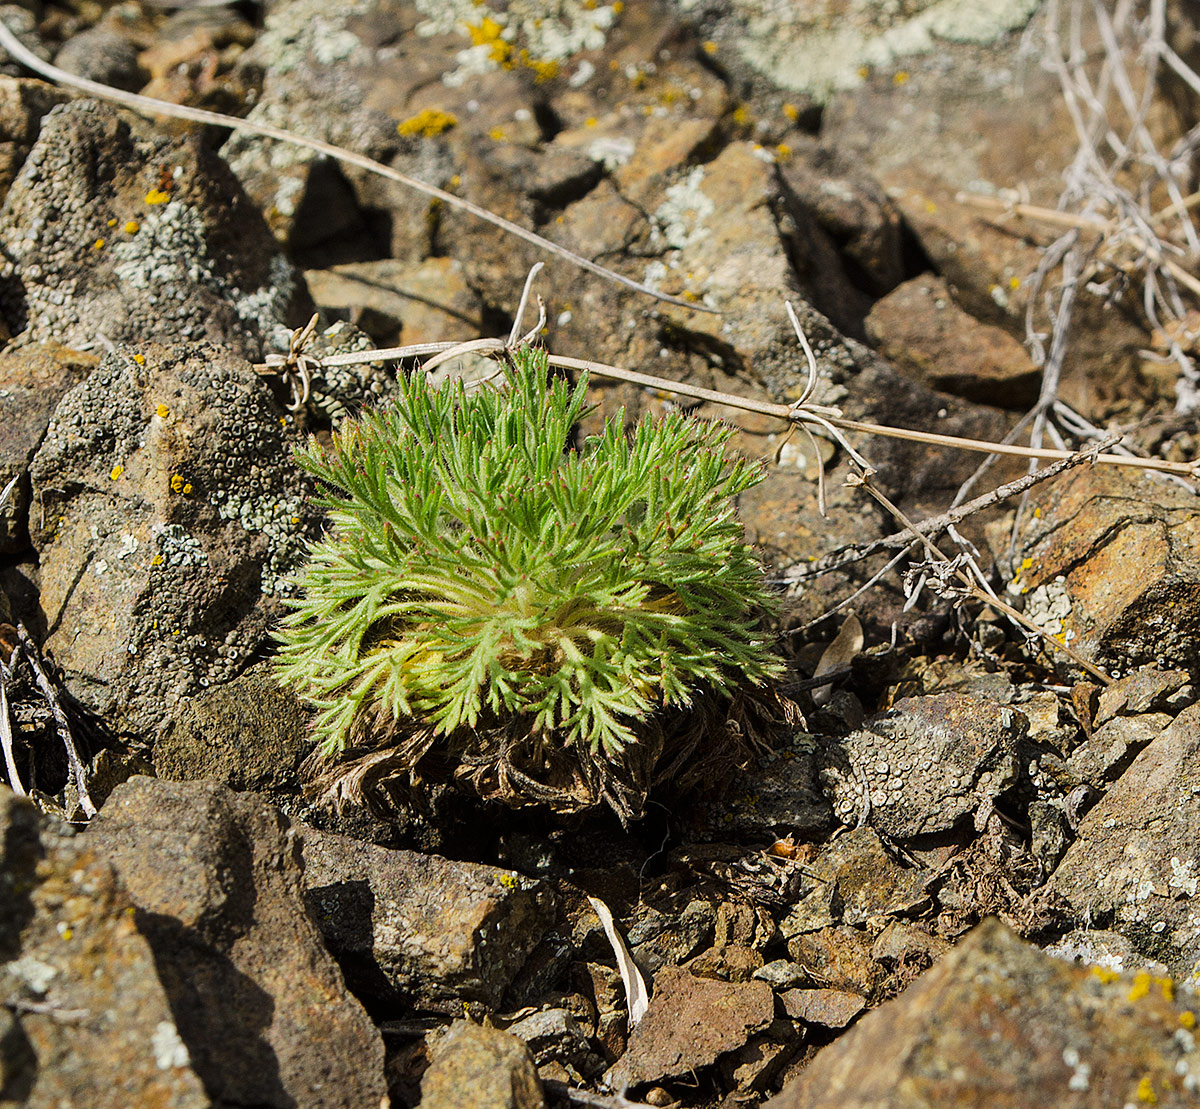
827,1008
481,1067
102,53
422,929
167,512
659,939
999,1023
555,1036
925,764
260,1006
113,231
1134,863
23,104
84,1016
1103,758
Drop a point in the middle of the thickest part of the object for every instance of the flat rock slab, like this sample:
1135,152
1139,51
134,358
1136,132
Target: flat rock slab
1134,862
1112,562
999,1023
828,1008
925,764
691,1022
84,1017
423,929
260,1004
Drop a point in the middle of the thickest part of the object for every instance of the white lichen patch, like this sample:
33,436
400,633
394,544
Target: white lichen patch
293,32
818,49
169,1050
679,221
547,31
177,548
1183,876
170,254
1049,606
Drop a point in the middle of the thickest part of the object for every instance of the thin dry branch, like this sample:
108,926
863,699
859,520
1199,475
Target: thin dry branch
148,105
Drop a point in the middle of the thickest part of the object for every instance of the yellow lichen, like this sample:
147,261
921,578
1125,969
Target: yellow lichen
112,223
157,560
709,47
428,123
132,227
162,411
98,244
140,359
900,78
742,116
1187,1019
1105,974
783,152
157,196
791,113
1145,1092
498,134
1141,985
489,33
116,471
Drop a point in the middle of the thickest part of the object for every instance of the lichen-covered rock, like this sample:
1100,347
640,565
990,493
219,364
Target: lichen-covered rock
167,513
85,1019
482,1067
925,764
1133,866
1110,560
260,1006
23,104
113,231
421,929
998,1023
32,382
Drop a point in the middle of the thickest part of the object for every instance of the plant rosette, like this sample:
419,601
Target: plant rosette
543,623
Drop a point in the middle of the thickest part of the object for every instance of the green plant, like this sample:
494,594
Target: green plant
479,574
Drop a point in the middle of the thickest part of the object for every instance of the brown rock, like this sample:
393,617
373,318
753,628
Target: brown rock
85,1019
259,1003
1111,560
828,1008
167,512
920,329
23,105
481,1067
1000,1024
32,382
839,958
690,1022
423,929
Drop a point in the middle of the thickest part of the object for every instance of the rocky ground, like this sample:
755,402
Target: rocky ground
971,878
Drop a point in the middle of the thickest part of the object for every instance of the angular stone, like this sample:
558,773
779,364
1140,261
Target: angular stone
1112,562
23,105
998,1023
248,733
921,330
854,879
425,930
481,1067
86,1020
32,382
1112,747
1134,862
925,764
828,1008
690,1022
167,511
1145,690
260,1006
113,230
839,958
